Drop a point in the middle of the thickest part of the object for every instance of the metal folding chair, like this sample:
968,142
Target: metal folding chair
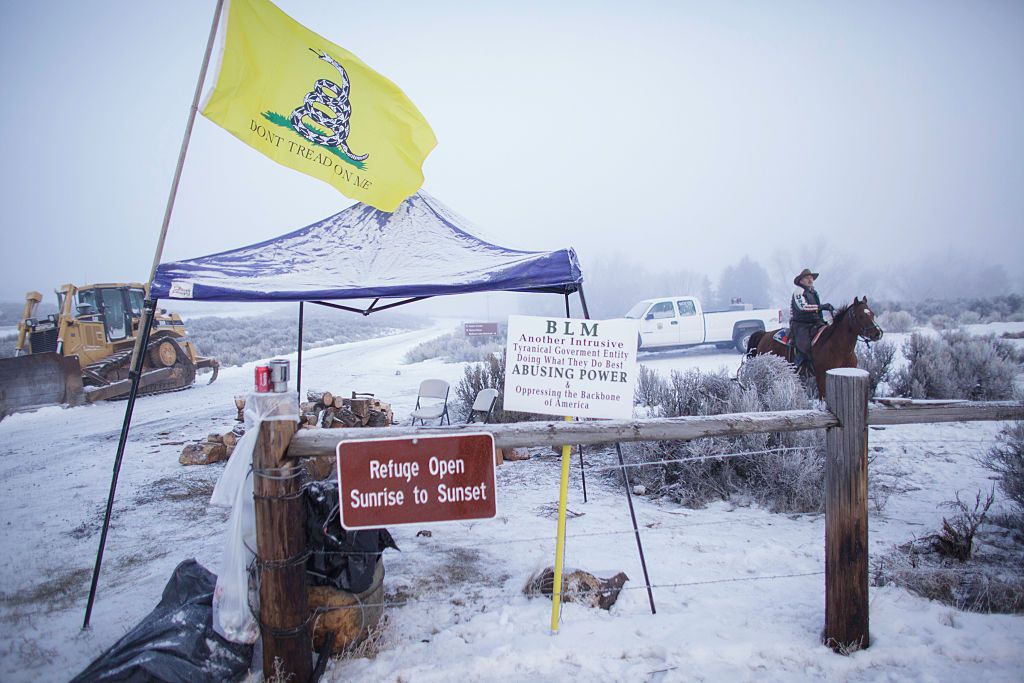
431,389
484,404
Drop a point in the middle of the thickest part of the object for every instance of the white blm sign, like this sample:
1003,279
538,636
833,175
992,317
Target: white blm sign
571,367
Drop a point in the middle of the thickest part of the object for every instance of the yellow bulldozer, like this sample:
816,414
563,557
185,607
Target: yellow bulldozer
83,353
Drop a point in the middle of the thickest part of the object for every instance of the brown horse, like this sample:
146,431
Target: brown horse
834,347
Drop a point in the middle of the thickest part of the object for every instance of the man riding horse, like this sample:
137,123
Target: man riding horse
805,320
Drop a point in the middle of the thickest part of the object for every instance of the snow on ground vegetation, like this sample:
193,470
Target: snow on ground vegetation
738,589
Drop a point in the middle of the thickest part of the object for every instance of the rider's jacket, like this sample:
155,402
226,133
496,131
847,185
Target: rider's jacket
805,307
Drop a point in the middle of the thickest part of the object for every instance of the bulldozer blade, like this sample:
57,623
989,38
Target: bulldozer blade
122,387
39,379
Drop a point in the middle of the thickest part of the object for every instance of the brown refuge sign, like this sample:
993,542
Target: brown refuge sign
387,482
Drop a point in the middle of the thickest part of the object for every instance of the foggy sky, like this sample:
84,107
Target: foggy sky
673,135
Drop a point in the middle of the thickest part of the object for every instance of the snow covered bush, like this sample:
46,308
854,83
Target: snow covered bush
489,374
942,322
783,471
1006,459
877,359
969,318
973,563
456,347
649,389
236,341
896,321
957,365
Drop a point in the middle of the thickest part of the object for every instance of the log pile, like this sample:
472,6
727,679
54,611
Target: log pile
331,411
215,448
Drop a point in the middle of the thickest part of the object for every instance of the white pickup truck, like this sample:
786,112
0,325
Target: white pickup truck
679,322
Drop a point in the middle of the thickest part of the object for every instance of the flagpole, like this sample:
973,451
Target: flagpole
149,310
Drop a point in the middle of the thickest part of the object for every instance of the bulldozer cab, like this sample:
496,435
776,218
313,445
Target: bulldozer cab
118,308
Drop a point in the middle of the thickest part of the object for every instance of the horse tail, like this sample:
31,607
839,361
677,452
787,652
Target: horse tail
752,343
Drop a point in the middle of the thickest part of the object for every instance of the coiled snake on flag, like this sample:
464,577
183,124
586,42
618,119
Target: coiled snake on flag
338,104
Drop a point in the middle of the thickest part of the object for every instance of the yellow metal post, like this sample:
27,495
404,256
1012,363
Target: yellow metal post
556,589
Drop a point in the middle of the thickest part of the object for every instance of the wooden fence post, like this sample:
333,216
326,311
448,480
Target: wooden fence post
846,512
280,546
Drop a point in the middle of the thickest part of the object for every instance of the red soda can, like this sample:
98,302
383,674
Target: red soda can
262,379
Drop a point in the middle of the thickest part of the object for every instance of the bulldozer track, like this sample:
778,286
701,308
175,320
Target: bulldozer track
121,359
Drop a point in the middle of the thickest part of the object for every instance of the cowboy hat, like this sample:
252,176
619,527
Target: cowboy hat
804,273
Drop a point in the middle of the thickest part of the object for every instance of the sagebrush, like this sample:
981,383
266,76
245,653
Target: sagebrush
456,347
988,578
489,374
782,470
957,365
1006,460
236,341
877,359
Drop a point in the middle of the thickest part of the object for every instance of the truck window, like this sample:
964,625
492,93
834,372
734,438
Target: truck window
686,308
637,311
662,309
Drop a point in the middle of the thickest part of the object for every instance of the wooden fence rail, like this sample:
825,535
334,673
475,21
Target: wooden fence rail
322,442
279,518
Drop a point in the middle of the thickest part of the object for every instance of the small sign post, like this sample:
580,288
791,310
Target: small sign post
567,366
391,482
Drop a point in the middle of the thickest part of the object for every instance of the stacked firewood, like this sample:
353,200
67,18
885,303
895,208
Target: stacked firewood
329,410
215,448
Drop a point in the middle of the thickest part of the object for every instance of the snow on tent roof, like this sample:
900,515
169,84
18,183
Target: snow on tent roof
422,249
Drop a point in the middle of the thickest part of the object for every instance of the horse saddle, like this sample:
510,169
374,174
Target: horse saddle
786,339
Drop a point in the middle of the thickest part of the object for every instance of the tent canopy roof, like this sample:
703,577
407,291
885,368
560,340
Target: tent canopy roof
422,249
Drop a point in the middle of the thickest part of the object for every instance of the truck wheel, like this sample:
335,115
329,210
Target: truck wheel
741,339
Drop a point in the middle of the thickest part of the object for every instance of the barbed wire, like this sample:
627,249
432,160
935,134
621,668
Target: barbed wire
587,534
698,458
571,593
898,440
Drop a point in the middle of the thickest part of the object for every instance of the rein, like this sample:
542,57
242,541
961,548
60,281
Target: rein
864,331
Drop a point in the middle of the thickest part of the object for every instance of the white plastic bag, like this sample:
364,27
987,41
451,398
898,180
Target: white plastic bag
258,408
232,617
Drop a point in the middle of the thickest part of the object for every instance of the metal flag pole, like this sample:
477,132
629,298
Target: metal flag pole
148,312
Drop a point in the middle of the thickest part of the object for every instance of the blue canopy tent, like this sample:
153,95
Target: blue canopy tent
421,250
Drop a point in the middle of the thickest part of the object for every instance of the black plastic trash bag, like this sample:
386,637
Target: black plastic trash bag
340,558
176,642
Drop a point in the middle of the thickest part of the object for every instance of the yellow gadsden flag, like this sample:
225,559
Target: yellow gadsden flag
316,107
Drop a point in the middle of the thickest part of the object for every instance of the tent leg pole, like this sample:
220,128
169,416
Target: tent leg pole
636,531
583,302
629,493
136,375
583,471
567,313
298,362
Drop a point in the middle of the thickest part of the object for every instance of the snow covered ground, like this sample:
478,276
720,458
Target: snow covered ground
739,591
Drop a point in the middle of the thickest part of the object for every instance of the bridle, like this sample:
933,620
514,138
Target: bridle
865,330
